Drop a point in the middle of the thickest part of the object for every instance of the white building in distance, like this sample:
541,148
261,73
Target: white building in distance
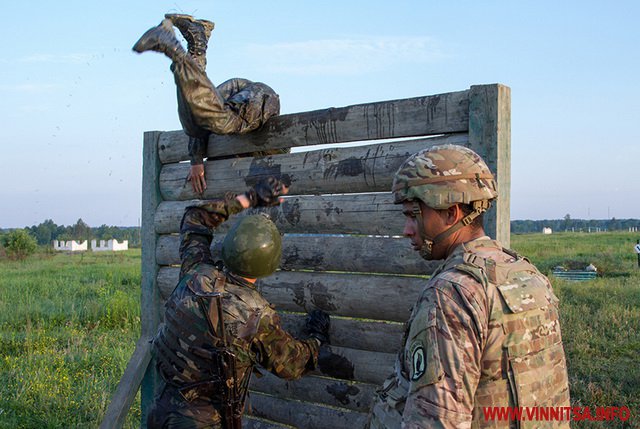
109,246
546,230
69,246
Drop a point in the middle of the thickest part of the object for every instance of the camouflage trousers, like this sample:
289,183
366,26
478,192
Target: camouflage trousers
172,411
237,106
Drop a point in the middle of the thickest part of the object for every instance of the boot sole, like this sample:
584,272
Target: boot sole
175,17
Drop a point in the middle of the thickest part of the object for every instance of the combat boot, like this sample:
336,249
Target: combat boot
196,32
161,39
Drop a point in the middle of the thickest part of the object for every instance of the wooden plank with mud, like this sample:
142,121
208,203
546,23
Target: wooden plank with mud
369,214
411,117
327,171
387,298
305,415
362,254
338,393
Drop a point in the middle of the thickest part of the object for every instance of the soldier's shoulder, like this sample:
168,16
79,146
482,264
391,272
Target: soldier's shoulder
202,278
454,279
462,288
249,297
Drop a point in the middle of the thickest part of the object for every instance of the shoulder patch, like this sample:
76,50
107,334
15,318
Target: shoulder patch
418,360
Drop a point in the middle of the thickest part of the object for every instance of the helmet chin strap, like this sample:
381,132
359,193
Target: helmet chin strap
426,251
427,245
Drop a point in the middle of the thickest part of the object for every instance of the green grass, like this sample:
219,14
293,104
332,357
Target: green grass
600,319
68,325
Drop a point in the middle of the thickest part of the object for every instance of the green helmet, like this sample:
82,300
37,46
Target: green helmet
252,247
442,176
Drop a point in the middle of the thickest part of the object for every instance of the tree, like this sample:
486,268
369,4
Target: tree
45,232
567,222
19,244
81,231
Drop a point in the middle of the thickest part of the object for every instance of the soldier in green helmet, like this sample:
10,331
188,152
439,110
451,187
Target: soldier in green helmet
217,327
237,106
485,330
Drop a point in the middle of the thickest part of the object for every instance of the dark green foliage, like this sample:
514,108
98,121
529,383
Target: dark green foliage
48,231
19,244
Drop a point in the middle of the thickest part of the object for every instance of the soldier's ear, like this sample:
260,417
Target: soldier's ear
454,214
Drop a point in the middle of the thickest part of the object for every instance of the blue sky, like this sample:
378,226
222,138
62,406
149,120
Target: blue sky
75,100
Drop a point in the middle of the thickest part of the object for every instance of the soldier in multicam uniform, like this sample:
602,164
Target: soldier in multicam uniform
237,106
485,330
217,327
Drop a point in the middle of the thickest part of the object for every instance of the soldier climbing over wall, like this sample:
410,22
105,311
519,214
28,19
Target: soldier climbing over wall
217,327
237,106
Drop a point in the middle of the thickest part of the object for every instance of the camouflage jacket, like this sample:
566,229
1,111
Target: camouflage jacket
237,106
187,344
483,333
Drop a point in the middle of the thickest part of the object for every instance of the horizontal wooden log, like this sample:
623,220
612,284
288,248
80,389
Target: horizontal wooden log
369,214
356,365
328,171
327,253
337,393
362,334
305,414
386,298
420,116
252,422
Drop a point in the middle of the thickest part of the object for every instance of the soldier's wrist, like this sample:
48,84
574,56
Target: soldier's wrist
244,201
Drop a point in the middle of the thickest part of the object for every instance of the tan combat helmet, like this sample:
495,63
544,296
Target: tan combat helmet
440,177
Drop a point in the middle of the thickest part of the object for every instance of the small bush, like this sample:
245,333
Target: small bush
19,244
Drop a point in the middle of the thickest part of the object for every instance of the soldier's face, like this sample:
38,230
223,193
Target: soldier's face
432,220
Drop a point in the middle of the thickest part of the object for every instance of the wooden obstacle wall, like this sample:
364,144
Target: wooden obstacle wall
341,248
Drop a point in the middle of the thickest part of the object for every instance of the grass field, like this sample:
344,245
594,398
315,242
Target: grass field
69,323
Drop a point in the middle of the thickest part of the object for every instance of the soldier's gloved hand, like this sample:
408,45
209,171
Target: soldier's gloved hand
318,323
267,192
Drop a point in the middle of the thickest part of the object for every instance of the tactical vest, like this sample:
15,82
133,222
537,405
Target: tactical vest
187,345
523,362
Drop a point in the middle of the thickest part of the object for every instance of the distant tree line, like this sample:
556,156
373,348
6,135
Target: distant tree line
47,231
577,225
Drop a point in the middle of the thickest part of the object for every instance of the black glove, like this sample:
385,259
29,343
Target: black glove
318,323
266,192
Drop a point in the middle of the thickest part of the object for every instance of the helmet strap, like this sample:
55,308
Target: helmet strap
479,207
427,245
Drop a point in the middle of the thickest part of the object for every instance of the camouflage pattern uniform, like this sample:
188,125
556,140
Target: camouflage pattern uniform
186,346
485,330
237,106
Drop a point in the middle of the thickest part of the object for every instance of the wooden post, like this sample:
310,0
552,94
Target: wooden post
128,386
150,299
490,136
